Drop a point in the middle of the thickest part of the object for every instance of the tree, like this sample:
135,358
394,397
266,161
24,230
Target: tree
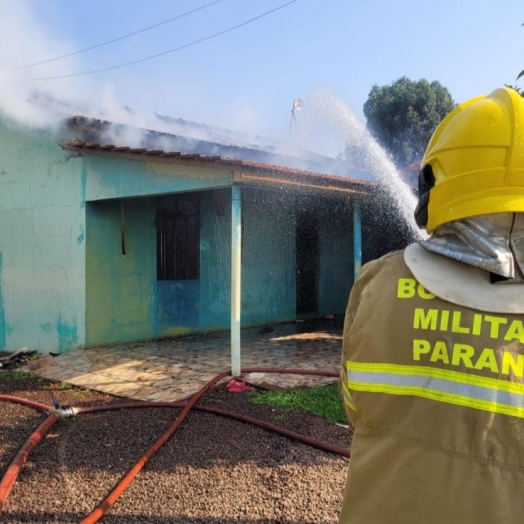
402,116
521,74
519,90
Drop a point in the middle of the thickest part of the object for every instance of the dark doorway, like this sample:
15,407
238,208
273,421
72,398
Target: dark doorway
307,264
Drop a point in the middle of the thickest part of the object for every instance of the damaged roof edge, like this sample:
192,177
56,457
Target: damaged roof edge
249,169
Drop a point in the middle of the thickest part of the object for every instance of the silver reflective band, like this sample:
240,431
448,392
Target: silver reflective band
491,395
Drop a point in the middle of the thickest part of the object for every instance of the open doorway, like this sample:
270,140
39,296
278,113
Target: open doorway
307,264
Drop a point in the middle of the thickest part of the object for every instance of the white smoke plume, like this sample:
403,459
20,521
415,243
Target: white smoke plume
24,41
45,103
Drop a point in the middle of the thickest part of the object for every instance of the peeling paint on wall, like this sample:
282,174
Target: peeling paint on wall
178,306
80,237
47,327
67,335
43,266
177,332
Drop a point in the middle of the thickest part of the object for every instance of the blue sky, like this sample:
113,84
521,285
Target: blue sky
247,79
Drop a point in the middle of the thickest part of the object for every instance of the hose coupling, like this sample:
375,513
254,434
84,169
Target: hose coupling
63,413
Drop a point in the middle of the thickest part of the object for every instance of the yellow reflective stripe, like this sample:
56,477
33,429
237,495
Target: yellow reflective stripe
455,376
346,395
460,400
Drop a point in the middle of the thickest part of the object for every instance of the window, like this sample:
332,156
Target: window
178,237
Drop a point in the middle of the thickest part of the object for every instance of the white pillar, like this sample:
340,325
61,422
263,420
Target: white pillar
357,239
236,273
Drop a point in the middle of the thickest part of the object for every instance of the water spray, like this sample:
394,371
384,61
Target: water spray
329,126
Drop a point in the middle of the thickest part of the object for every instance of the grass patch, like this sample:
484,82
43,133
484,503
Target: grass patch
81,393
323,401
16,375
62,386
75,390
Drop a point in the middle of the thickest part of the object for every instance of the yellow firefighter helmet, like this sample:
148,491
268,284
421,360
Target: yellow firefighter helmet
474,163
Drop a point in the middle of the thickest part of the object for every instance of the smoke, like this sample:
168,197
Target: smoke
45,103
328,137
24,41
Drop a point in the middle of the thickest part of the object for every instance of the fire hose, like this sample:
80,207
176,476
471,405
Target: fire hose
54,415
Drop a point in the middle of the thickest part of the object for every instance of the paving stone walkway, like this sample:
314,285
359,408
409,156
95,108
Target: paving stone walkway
173,369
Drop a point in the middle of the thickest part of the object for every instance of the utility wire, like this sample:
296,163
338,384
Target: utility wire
120,37
195,42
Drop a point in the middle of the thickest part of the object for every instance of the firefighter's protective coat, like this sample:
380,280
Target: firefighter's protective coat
435,393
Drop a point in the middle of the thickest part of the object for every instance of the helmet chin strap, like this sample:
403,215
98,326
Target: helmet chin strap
426,181
493,242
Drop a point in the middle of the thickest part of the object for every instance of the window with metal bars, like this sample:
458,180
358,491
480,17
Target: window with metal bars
178,237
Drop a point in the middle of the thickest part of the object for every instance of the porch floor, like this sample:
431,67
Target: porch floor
173,369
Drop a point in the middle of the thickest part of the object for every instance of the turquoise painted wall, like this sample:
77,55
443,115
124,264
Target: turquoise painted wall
42,250
268,267
268,258
120,291
61,263
336,257
3,325
115,312
126,302
191,306
215,259
111,177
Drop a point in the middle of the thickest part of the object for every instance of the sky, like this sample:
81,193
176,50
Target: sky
248,78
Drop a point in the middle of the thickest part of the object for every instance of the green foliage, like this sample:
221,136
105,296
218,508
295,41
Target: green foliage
519,90
520,75
403,116
16,375
323,401
64,386
81,392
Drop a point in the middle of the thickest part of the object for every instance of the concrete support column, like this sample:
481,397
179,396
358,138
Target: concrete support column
357,238
236,274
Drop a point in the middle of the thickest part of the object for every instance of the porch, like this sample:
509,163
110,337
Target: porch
173,369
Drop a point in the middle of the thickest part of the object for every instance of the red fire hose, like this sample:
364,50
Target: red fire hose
17,464
96,515
223,413
99,512
24,402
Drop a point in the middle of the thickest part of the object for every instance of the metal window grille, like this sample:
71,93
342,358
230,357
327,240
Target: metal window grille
178,237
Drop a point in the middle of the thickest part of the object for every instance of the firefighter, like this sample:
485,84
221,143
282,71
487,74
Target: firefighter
433,355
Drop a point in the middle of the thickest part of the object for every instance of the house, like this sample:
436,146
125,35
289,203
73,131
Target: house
103,244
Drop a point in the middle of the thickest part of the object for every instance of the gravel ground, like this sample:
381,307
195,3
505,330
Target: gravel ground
213,470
